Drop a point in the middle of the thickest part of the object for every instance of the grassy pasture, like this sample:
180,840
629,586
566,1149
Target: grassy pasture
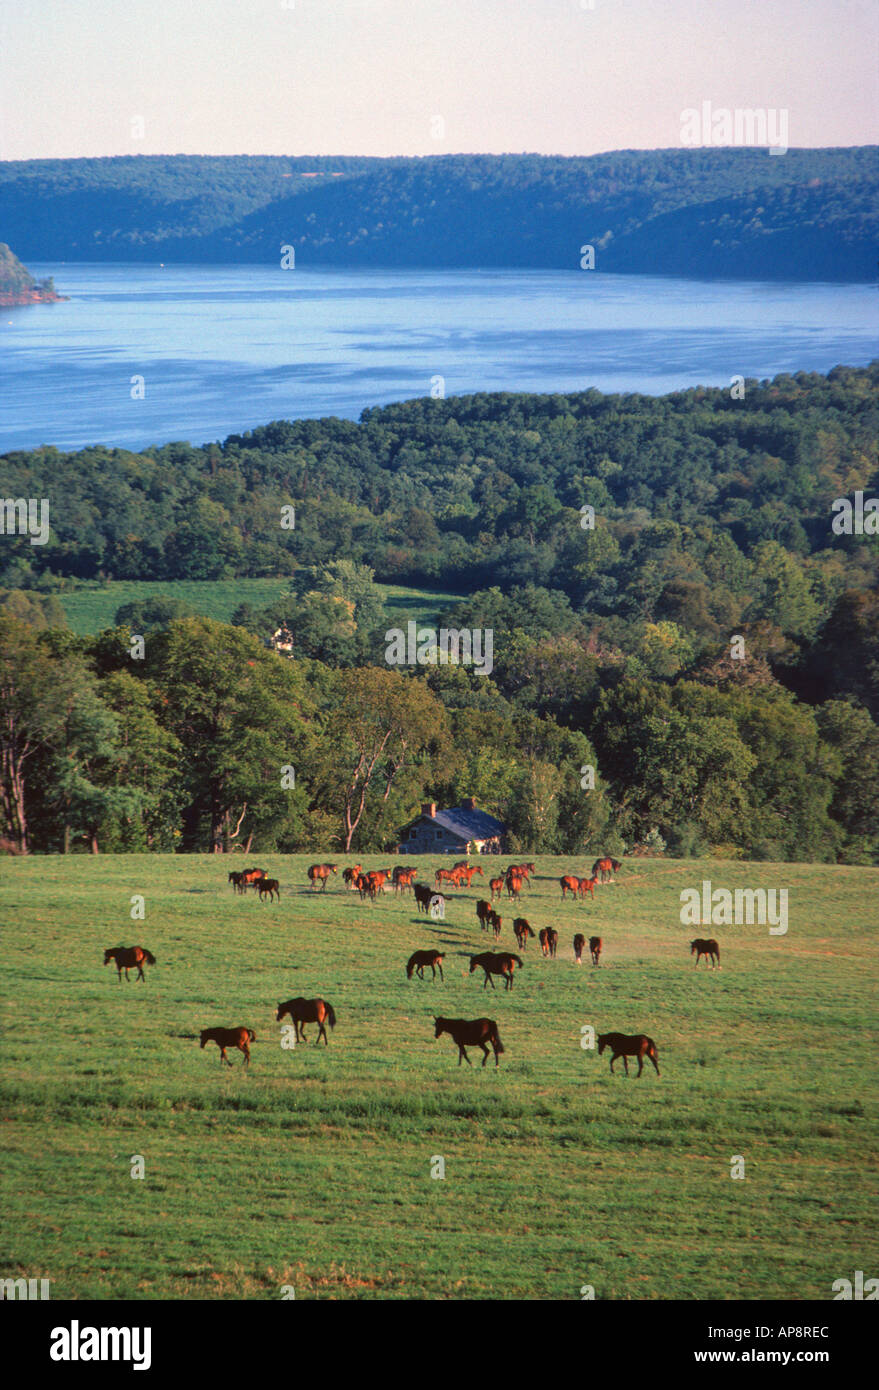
313,1170
91,609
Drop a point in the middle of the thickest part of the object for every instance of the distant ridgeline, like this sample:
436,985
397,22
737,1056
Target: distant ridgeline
18,286
731,213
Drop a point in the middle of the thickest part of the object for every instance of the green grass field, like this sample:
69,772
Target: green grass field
91,610
314,1170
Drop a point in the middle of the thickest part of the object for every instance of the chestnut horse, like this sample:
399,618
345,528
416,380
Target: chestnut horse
570,884
350,876
484,913
595,948
495,922
629,1045
230,1037
419,959
250,876
522,931
403,878
707,948
304,1011
476,1033
127,956
605,868
495,888
319,873
502,964
586,885
465,873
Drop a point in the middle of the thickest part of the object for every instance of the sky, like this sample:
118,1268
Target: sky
420,77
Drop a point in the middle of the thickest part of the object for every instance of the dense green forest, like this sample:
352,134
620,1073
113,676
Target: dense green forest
673,602
17,283
739,213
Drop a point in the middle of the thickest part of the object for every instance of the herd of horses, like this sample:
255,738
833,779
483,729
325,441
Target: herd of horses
481,1032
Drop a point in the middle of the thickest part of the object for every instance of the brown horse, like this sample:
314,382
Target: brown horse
625,1045
543,938
350,876
304,1011
237,882
425,895
230,1037
579,943
502,964
570,884
268,887
403,878
552,940
605,868
514,882
319,873
586,885
125,957
419,959
250,876
522,931
484,913
495,888
595,944
465,873
478,1032
496,923
707,948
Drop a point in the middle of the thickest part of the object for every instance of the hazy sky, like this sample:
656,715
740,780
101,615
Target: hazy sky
372,76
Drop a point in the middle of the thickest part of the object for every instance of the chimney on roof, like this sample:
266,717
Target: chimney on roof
428,808
469,803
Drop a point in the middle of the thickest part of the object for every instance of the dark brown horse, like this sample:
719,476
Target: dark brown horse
522,930
708,948
478,1032
595,944
579,943
483,913
319,873
425,895
268,887
304,1011
230,1037
237,882
503,963
496,922
625,1045
543,938
126,957
351,875
552,940
419,959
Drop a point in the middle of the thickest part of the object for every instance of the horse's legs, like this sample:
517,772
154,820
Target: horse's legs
626,1063
322,1029
224,1058
655,1063
462,1052
245,1048
484,1046
640,1062
440,969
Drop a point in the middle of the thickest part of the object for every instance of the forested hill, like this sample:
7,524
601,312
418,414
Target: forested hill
734,213
17,285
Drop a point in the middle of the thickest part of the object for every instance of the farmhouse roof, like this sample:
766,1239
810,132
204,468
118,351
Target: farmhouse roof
465,821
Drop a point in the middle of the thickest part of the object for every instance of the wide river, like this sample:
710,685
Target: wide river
224,348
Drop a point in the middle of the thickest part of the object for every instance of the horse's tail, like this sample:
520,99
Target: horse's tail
651,1050
496,1039
148,956
331,1014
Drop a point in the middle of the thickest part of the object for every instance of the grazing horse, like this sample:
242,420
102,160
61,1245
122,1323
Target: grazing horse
579,943
495,888
552,940
230,1037
403,878
496,922
319,873
586,885
595,948
304,1011
502,964
476,1033
127,956
605,868
237,882
424,896
629,1045
708,948
268,886
484,913
419,959
350,876
570,884
522,931
543,938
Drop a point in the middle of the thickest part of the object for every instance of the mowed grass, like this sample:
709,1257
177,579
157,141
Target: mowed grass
91,610
314,1170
